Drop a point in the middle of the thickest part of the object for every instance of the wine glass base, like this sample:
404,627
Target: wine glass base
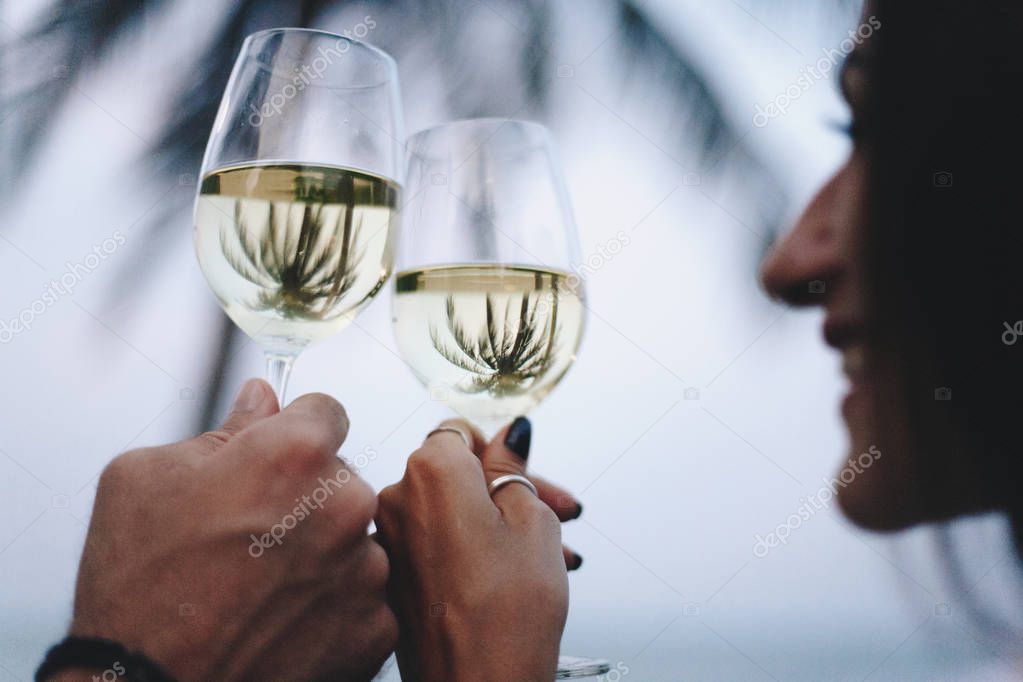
573,667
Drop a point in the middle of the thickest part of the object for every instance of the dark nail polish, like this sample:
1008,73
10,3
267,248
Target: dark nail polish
578,510
519,434
578,561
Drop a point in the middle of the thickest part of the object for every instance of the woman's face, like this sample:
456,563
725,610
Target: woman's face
821,263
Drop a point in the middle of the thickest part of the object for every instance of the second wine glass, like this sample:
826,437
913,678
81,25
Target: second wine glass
486,311
295,222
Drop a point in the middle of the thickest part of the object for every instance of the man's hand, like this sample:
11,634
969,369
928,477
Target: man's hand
242,553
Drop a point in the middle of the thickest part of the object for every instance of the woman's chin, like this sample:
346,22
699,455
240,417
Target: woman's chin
876,490
868,510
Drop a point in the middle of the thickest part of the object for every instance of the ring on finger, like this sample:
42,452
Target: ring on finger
502,481
451,429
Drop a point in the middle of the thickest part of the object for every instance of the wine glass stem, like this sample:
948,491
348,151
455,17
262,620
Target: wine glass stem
278,369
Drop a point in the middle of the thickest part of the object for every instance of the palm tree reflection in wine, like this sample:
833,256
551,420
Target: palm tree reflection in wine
506,357
305,267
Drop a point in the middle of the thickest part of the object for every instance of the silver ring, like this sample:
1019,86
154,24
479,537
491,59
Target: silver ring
450,429
502,481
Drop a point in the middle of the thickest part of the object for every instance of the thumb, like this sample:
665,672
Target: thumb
255,401
508,452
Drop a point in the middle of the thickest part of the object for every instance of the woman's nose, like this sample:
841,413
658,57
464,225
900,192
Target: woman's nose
804,266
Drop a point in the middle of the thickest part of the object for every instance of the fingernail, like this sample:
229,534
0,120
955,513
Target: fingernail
578,510
519,434
249,397
577,562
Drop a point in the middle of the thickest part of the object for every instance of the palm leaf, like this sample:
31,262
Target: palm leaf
79,33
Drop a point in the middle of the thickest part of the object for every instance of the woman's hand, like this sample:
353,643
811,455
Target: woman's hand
243,553
479,584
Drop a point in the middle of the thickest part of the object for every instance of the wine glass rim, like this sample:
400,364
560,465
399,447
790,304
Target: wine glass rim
369,47
541,131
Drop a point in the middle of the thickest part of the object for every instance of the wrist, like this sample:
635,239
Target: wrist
77,659
76,675
471,657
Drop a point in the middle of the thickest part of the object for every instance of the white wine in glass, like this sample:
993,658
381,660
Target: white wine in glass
487,310
495,338
295,224
293,251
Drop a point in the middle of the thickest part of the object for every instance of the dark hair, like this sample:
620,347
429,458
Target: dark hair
944,148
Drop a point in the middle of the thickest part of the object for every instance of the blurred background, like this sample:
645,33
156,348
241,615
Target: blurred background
699,416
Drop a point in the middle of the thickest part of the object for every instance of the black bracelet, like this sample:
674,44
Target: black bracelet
94,653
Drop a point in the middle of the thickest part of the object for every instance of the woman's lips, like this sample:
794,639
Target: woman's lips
854,365
847,337
854,362
854,400
841,334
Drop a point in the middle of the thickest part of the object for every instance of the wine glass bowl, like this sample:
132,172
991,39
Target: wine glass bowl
487,312
295,220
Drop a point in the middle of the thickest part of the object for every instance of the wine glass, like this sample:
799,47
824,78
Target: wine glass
487,311
295,224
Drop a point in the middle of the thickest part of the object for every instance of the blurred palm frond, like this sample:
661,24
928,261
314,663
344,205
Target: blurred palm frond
78,34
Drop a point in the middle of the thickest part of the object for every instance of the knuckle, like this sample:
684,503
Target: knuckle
542,518
323,408
120,471
364,500
389,510
500,467
214,439
355,508
424,463
310,445
432,462
388,502
315,436
378,567
327,403
422,459
388,498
